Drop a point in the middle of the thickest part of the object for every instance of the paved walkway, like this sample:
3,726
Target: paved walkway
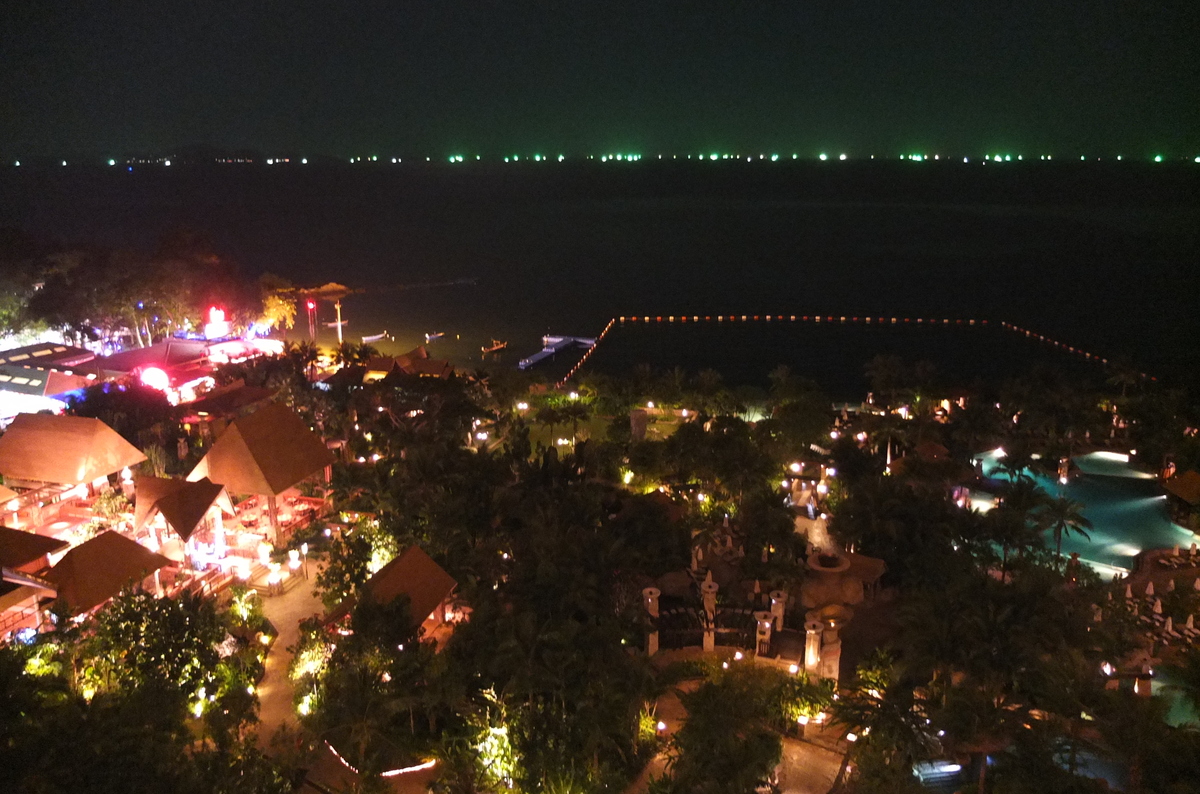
806,768
275,691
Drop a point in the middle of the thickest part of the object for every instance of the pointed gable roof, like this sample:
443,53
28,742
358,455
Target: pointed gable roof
414,574
264,453
182,503
95,571
18,547
65,450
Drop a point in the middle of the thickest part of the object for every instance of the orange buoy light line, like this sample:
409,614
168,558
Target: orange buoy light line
599,338
1028,334
816,318
819,318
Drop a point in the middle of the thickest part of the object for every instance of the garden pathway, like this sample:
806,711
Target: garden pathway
275,691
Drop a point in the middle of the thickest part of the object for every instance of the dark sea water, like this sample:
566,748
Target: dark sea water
1105,257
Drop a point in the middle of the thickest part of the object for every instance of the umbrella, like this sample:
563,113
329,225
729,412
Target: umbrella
1196,584
1193,548
1149,588
1129,591
1168,626
1170,585
1158,606
1175,551
1191,622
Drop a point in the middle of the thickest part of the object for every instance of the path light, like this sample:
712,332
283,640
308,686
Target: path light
737,657
793,669
851,737
650,404
795,468
662,726
574,395
522,406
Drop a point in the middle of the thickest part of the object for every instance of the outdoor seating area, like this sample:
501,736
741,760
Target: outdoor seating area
1178,560
69,482
1158,627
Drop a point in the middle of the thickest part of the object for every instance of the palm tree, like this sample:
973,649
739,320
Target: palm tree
549,416
1062,516
881,711
1012,519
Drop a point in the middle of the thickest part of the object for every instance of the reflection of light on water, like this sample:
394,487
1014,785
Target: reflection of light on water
1123,458
1125,549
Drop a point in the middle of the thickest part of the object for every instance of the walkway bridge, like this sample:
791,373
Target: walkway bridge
555,344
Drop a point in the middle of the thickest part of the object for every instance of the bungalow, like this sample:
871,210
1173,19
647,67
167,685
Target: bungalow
413,573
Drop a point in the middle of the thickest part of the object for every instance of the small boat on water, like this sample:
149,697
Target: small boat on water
376,338
495,347
434,335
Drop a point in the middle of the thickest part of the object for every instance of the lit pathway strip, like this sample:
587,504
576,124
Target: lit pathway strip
391,772
821,318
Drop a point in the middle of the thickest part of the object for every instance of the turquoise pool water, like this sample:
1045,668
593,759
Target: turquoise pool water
1127,509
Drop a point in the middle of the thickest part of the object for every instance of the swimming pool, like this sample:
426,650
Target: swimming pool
1127,509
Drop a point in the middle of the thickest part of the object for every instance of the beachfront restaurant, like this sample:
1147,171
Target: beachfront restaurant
56,466
263,459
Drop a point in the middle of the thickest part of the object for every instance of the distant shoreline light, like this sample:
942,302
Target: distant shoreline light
629,157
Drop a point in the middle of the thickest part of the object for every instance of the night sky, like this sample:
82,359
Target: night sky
412,76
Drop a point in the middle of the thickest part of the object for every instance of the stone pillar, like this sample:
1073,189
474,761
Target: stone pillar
652,643
779,600
812,646
708,597
762,632
650,599
710,637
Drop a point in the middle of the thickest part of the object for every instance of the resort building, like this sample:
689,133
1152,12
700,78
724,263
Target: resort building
93,572
430,590
56,464
265,456
39,377
23,556
1183,494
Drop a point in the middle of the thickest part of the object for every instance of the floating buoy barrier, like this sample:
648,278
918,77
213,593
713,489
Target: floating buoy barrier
828,318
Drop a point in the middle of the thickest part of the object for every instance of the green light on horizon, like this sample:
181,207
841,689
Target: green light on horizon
713,157
112,162
823,156
1158,158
